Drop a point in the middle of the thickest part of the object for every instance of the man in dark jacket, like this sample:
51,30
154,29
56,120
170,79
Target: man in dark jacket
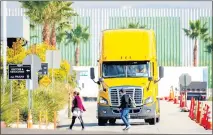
124,108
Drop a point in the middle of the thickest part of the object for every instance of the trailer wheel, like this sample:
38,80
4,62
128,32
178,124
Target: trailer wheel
102,121
112,121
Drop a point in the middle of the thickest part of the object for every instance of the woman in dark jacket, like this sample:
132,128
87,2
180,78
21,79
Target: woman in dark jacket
77,109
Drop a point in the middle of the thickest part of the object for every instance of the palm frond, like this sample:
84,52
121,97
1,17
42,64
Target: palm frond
197,24
203,30
187,32
192,25
142,27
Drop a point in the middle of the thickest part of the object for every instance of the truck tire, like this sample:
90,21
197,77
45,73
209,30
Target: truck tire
102,121
158,119
151,121
112,121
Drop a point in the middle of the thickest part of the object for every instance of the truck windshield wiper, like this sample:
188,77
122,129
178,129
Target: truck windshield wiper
114,76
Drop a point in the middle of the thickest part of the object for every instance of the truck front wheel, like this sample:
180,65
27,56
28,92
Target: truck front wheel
102,121
151,121
112,121
158,119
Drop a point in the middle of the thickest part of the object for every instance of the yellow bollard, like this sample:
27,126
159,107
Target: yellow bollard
46,119
39,119
55,119
18,114
29,121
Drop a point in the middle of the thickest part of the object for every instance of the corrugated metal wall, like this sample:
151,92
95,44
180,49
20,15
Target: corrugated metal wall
174,48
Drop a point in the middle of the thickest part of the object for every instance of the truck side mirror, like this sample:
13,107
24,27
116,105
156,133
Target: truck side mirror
161,72
92,73
101,80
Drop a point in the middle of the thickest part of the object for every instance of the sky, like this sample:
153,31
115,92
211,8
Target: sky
132,4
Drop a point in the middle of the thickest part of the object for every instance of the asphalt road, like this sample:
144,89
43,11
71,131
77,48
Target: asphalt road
172,122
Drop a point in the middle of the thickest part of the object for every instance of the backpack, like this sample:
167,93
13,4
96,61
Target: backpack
131,102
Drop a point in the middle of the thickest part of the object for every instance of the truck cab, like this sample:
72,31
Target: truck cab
128,60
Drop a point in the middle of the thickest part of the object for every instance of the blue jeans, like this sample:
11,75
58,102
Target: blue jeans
124,116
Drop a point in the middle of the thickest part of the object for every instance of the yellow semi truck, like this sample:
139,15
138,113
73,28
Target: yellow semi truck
128,60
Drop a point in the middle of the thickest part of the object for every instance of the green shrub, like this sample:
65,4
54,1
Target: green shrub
44,99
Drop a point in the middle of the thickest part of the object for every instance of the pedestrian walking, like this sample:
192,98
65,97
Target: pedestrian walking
77,110
124,107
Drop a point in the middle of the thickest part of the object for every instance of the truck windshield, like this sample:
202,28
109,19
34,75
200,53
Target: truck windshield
126,69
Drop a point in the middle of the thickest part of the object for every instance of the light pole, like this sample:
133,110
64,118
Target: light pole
4,17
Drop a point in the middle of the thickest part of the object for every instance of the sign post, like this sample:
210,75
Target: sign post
53,58
185,80
35,63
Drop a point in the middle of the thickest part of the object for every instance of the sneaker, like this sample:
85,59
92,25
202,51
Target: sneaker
128,127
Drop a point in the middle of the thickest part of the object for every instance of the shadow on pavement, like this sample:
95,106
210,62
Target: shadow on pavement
95,124
77,125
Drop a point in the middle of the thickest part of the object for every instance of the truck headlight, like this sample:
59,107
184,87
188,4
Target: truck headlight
148,100
103,101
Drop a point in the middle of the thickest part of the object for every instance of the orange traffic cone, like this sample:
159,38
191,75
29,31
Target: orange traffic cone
208,123
195,111
204,116
176,101
171,95
191,110
29,121
199,111
203,108
184,105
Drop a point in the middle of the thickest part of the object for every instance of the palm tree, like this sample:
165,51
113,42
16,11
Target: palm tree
209,46
38,12
135,26
77,35
196,31
62,12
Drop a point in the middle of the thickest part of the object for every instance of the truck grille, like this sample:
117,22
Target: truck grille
134,92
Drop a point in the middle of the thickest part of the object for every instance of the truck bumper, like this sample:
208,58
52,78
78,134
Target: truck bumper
142,112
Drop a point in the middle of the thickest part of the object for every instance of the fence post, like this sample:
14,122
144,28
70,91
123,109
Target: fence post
40,119
46,119
18,114
30,121
55,119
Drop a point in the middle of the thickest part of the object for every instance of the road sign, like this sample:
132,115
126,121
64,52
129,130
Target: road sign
45,81
185,79
35,63
19,72
53,58
44,69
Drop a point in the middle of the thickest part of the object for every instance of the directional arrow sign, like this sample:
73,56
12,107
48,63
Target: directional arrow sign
28,70
44,69
19,72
